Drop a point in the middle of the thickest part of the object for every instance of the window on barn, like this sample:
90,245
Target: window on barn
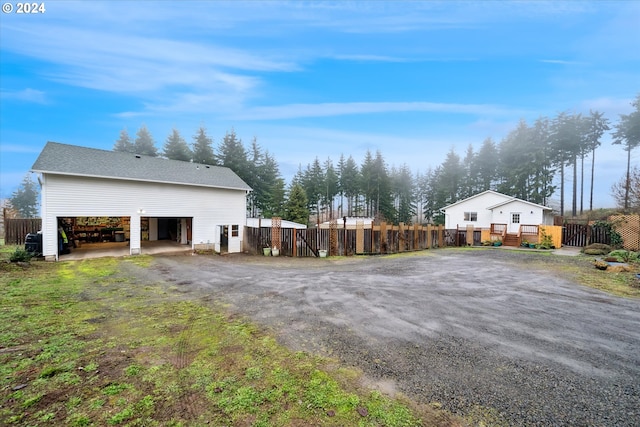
515,218
234,231
471,216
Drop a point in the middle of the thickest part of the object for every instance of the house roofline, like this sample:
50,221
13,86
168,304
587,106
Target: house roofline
115,178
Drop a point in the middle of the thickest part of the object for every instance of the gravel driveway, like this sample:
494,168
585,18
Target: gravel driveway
480,331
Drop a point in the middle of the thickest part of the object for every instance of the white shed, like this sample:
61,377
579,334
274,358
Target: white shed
491,207
103,195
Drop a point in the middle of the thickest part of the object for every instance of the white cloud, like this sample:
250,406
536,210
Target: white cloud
26,95
290,111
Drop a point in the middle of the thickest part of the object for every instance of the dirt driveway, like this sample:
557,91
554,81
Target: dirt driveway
485,332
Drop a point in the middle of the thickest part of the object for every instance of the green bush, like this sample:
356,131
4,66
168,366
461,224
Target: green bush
624,256
21,255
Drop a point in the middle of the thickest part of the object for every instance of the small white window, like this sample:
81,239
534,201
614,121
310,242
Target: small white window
471,216
234,231
515,218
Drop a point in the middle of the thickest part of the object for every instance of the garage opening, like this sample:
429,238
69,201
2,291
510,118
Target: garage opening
175,229
88,237
92,233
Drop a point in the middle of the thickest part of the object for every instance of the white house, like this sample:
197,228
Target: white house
122,197
491,207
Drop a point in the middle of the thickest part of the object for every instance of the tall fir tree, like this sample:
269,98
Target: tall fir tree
25,199
486,162
296,208
233,155
203,148
144,143
124,144
598,125
176,147
349,185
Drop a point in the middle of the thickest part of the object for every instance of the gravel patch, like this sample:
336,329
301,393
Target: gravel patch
484,333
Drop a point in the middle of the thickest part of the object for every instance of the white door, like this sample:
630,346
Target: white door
514,222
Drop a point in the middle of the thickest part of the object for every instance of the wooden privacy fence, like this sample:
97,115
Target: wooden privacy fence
16,230
582,234
358,240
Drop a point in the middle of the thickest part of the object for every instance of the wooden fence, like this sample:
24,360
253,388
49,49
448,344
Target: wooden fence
583,234
16,230
377,239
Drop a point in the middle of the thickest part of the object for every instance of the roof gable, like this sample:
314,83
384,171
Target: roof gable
515,199
506,200
64,159
477,196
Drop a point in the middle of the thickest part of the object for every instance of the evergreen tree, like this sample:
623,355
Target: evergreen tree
256,180
233,156
203,148
272,198
540,181
440,191
331,181
470,182
381,189
25,199
405,195
598,125
516,163
366,178
296,207
176,147
349,184
565,146
313,184
144,143
124,143
627,134
487,165
448,178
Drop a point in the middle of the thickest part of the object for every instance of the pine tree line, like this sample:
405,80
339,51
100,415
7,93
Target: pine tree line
524,164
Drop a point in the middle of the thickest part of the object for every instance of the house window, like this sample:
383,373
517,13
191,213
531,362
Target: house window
515,218
471,216
234,231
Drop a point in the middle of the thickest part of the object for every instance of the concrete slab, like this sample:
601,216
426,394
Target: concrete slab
120,249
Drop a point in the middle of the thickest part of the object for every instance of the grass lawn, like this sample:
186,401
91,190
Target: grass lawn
81,344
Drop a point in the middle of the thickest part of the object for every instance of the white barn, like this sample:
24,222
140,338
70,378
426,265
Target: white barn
491,207
122,197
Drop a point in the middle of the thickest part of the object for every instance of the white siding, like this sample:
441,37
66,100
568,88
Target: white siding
454,215
529,214
66,196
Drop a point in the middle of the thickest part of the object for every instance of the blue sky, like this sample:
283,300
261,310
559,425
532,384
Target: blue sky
412,79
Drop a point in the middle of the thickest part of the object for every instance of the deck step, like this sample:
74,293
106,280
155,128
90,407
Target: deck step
511,240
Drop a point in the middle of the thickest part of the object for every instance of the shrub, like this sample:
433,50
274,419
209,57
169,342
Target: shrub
623,256
21,255
597,249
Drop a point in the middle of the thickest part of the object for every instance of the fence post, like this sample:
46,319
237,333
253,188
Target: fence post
383,237
441,236
359,236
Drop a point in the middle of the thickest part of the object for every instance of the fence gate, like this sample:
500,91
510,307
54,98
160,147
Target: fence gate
581,235
574,234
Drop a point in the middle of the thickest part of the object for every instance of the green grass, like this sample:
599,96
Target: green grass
83,345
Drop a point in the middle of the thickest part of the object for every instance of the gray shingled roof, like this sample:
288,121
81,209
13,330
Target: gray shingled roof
64,159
